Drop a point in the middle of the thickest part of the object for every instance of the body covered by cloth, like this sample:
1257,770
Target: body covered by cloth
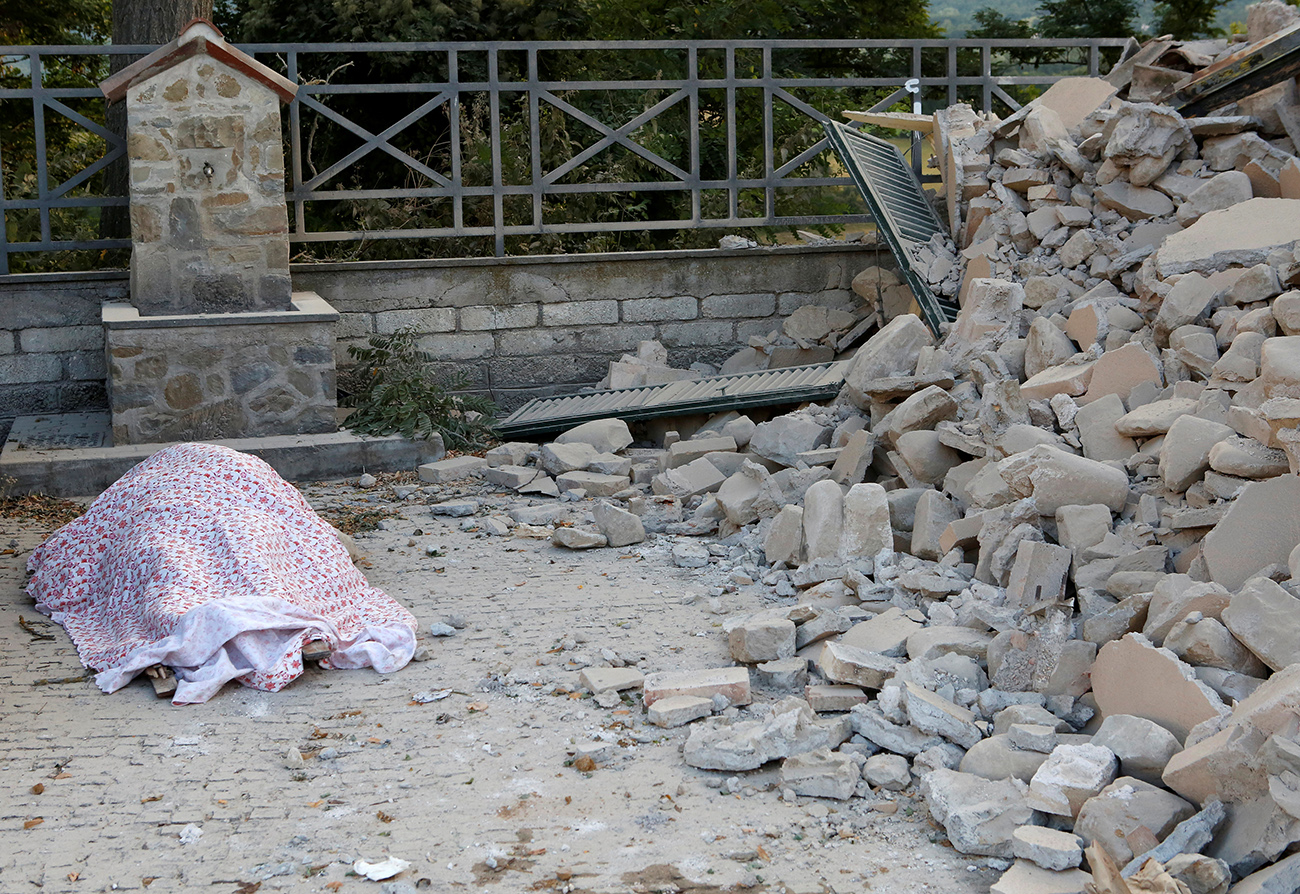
204,560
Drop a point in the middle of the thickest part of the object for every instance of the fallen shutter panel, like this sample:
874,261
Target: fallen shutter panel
737,391
900,207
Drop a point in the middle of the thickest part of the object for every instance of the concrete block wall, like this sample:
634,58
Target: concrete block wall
528,327
52,342
519,327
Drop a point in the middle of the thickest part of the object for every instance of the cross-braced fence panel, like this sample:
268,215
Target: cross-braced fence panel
517,147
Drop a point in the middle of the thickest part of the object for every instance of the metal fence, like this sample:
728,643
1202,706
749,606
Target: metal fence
722,94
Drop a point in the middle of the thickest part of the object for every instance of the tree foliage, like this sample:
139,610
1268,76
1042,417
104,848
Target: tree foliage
1188,19
1095,18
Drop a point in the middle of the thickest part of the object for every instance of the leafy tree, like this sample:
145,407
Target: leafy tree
63,22
1188,19
1092,18
993,25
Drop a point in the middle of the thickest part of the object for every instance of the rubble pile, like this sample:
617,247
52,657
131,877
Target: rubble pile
1045,570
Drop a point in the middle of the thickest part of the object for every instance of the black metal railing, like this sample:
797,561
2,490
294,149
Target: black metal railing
483,143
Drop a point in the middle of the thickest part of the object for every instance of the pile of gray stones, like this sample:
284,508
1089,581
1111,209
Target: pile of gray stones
1043,570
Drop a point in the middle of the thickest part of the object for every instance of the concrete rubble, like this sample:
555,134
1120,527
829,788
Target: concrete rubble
1040,571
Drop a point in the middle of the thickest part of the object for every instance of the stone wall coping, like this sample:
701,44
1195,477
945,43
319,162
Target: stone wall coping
112,275
692,254
308,307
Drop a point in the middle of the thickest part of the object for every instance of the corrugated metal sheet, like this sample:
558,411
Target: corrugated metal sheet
904,215
769,387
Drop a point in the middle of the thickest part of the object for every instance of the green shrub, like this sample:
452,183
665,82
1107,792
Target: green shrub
394,392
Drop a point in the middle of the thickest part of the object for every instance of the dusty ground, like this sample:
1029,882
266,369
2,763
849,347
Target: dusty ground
473,789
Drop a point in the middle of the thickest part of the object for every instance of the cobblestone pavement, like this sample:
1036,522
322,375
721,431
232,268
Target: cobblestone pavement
472,789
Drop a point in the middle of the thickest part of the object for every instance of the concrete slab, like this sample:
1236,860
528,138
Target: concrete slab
51,454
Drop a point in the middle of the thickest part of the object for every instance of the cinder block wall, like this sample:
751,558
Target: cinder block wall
519,327
52,342
528,327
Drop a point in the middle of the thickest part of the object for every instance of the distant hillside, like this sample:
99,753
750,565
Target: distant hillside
955,16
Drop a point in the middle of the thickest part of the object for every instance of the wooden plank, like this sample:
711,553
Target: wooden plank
1242,74
895,120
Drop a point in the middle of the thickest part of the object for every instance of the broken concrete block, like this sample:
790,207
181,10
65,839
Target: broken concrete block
933,714
1279,366
620,527
738,495
786,675
513,477
823,520
865,528
578,538
979,815
784,539
854,459
692,479
821,774
690,555
934,513
857,667
604,435
1039,573
791,729
828,698
593,484
1127,804
1242,235
732,683
1154,418
1049,848
1205,642
1170,694
935,642
782,439
455,469
892,351
1134,202
927,457
751,640
1071,379
1188,838
1119,371
1054,478
1283,877
678,710
1143,746
1247,458
1096,422
887,771
1219,192
556,459
996,758
1025,877
1046,346
870,722
1260,528
610,679
1185,455
683,452
1070,776
991,305
1266,619
885,634
923,410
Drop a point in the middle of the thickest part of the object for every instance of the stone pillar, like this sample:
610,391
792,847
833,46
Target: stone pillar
216,344
209,225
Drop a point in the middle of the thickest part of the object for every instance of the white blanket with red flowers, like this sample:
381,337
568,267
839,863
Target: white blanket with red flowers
204,560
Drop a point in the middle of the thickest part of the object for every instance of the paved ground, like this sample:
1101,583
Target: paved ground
472,789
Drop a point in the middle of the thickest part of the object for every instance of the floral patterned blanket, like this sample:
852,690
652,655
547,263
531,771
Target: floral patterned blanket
204,560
